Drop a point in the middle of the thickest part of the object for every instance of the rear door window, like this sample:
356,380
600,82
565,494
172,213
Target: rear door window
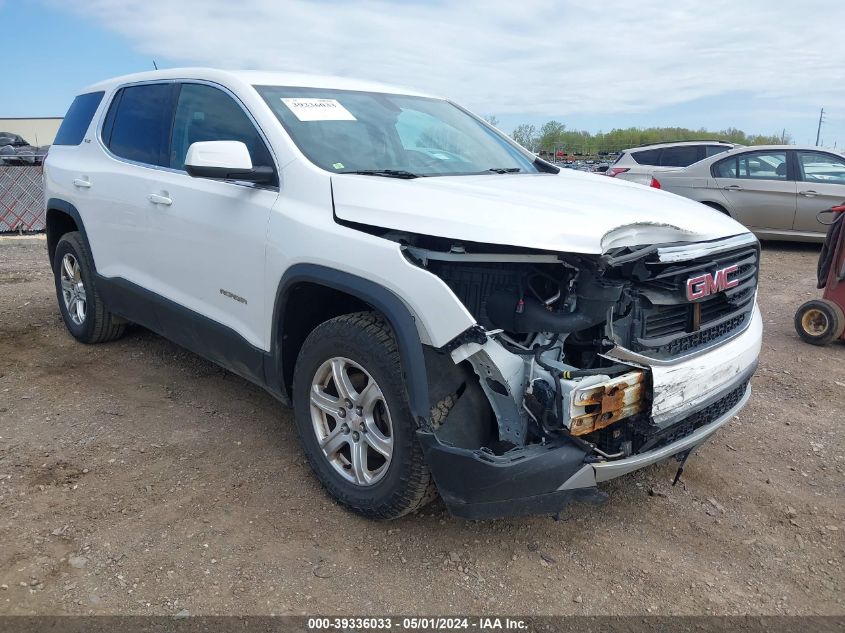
681,156
762,166
753,166
78,118
137,126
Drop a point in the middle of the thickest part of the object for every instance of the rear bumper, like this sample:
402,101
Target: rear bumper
543,479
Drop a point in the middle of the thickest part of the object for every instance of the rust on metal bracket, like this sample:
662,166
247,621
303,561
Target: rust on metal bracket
609,402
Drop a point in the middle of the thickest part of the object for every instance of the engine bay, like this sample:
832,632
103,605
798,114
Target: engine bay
548,326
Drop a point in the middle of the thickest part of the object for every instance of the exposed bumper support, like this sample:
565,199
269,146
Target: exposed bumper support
591,474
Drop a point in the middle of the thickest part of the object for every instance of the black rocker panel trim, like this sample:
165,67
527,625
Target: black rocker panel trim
380,298
191,330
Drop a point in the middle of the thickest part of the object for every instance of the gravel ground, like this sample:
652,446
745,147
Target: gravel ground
136,478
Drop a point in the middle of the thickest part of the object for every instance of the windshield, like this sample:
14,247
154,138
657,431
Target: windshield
346,131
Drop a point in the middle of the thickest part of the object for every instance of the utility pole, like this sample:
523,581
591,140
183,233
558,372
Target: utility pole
819,130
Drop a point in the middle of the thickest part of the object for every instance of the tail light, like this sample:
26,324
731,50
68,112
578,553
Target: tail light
655,183
615,171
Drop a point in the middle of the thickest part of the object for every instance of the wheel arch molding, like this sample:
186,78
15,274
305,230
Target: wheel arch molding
361,291
58,213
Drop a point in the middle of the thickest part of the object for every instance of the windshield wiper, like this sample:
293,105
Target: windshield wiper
505,170
387,173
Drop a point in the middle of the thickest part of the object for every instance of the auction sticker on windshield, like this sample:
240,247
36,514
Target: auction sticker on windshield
318,109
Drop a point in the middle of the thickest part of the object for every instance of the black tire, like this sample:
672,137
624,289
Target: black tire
819,322
98,325
364,338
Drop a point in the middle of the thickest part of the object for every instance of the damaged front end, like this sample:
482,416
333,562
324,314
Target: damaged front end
580,367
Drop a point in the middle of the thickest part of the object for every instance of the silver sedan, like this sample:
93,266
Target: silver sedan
774,190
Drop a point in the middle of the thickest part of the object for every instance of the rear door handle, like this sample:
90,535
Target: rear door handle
159,199
808,194
732,188
81,183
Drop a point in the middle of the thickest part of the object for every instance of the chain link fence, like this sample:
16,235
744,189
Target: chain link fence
21,199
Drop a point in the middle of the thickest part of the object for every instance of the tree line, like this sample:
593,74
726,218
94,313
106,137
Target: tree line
554,136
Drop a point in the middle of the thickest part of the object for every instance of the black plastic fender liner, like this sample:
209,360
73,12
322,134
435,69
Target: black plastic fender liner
476,484
385,301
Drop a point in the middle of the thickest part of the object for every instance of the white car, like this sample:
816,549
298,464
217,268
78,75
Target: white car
639,163
443,309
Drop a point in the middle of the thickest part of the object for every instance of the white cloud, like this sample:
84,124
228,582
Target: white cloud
533,57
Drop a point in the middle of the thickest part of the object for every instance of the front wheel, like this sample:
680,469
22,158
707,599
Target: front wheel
819,322
353,418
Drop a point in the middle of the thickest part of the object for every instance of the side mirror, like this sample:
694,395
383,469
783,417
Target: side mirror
224,160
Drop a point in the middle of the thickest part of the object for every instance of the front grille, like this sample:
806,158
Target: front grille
670,325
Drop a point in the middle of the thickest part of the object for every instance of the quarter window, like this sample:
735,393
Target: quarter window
647,156
681,156
712,150
78,118
821,167
137,125
725,168
204,113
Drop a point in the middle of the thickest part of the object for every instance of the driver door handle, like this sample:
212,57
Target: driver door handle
159,199
808,194
82,183
732,188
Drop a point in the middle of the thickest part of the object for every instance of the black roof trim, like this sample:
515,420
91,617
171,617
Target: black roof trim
691,140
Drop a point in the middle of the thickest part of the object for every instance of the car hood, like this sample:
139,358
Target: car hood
566,212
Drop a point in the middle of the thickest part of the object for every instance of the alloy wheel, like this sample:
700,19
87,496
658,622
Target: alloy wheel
73,290
351,421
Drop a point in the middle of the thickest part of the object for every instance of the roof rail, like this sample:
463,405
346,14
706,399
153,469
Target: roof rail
688,140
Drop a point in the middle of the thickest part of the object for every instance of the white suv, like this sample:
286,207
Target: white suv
443,309
639,164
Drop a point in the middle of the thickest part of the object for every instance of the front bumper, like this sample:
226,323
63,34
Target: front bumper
537,479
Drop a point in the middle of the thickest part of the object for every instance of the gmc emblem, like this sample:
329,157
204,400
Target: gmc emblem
707,284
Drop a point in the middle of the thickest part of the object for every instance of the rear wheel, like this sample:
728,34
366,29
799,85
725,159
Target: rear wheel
353,418
81,305
819,322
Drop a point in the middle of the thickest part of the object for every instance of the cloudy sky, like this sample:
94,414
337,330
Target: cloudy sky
758,65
